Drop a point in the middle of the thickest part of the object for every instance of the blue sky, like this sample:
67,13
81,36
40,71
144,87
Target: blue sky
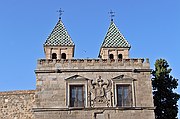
152,27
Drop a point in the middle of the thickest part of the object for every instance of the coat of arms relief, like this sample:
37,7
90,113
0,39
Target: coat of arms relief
100,92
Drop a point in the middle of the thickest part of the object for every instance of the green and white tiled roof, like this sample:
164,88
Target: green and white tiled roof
114,38
59,36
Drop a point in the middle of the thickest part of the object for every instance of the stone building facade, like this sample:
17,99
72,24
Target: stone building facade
109,87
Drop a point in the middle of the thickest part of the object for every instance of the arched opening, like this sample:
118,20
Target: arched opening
120,56
111,56
63,56
54,56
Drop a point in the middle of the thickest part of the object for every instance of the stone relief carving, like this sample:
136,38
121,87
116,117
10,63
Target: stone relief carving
100,92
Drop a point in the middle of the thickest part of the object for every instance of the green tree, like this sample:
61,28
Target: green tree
165,99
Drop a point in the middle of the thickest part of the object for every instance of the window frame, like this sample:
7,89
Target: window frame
83,95
124,81
68,97
76,80
129,89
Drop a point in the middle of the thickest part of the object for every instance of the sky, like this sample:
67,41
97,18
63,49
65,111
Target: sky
152,27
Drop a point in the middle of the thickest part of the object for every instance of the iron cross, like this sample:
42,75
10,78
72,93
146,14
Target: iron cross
112,14
60,13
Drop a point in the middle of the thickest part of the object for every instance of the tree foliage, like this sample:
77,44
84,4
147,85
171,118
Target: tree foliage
165,99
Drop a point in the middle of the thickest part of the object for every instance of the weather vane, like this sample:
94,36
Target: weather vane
112,14
60,13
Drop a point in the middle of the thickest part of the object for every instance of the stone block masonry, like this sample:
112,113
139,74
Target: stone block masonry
16,104
54,77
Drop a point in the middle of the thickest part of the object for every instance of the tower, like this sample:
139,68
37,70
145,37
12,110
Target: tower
114,46
59,44
111,87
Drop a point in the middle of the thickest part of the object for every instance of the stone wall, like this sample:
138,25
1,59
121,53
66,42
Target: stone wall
16,104
96,114
54,77
52,87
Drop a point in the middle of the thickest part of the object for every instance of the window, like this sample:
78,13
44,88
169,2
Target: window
124,95
63,55
77,96
120,56
54,56
76,91
111,56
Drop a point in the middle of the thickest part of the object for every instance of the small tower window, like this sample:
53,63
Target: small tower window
54,56
111,56
63,55
120,56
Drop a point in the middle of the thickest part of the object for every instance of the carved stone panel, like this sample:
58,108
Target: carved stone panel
100,92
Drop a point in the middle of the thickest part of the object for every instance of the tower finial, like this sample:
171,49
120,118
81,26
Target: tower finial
60,13
112,14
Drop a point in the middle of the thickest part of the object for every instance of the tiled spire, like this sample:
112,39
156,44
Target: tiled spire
59,36
114,38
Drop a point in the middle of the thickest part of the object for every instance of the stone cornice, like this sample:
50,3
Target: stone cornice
93,70
90,108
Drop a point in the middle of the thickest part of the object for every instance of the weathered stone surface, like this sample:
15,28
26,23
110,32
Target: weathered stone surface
16,104
96,114
52,96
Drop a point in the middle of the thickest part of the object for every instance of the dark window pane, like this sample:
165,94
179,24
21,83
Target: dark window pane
123,95
120,56
73,95
119,96
54,56
76,96
63,56
111,56
80,97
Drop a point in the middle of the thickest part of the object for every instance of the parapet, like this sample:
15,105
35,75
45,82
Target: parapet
17,92
46,64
